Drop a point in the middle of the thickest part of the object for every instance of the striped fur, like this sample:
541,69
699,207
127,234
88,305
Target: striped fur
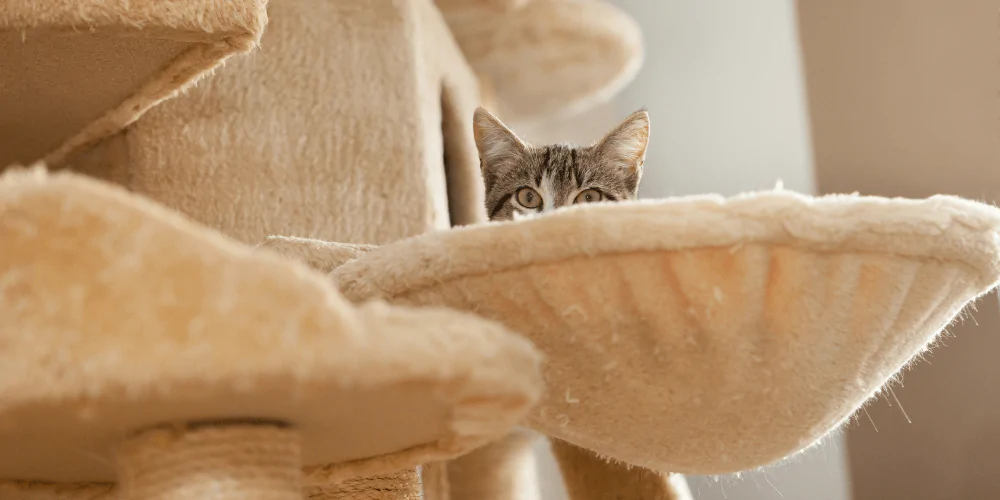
558,173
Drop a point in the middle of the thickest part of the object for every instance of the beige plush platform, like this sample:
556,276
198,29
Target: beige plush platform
705,335
73,72
118,316
546,58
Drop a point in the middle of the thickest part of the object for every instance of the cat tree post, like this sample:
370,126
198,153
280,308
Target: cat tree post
212,462
503,469
590,477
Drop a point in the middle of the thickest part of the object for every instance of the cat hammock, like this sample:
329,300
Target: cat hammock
702,335
120,317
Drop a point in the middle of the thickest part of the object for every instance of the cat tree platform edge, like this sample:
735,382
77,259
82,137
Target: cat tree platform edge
547,58
118,315
73,72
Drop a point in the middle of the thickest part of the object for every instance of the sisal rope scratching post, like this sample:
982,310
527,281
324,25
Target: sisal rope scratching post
402,485
212,462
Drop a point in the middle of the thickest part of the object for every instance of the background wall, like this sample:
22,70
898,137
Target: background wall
907,105
724,88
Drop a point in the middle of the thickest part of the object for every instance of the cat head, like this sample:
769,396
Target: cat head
526,180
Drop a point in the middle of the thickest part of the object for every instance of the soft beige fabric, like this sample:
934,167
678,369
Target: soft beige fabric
546,58
117,314
322,256
73,72
335,129
590,477
502,470
434,483
705,335
498,6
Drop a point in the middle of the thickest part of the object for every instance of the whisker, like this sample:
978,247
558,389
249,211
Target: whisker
870,419
900,405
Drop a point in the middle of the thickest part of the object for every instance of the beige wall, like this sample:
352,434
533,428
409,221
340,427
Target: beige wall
903,98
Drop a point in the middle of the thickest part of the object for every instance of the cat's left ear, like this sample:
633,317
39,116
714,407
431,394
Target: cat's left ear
497,144
625,146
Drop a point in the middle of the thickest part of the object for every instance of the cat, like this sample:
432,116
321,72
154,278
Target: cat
522,180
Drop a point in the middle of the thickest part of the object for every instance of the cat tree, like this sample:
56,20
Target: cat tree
144,325
182,364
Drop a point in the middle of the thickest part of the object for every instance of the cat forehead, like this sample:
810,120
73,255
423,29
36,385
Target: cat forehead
560,156
561,164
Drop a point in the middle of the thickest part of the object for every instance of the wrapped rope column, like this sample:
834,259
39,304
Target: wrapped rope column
402,485
224,462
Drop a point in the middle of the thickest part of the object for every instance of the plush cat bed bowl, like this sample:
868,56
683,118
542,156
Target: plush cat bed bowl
705,335
73,72
546,57
118,316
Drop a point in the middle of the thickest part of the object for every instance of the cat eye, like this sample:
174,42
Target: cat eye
588,196
528,198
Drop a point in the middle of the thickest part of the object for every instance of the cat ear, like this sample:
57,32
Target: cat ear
625,146
496,143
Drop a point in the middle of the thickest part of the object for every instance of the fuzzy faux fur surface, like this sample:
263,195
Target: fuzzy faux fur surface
546,58
73,72
117,314
703,334
322,256
350,123
498,6
188,18
940,227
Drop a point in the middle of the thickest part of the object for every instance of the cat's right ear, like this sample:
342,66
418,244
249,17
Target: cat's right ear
625,146
496,143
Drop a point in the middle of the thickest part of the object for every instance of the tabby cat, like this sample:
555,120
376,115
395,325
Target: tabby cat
523,180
